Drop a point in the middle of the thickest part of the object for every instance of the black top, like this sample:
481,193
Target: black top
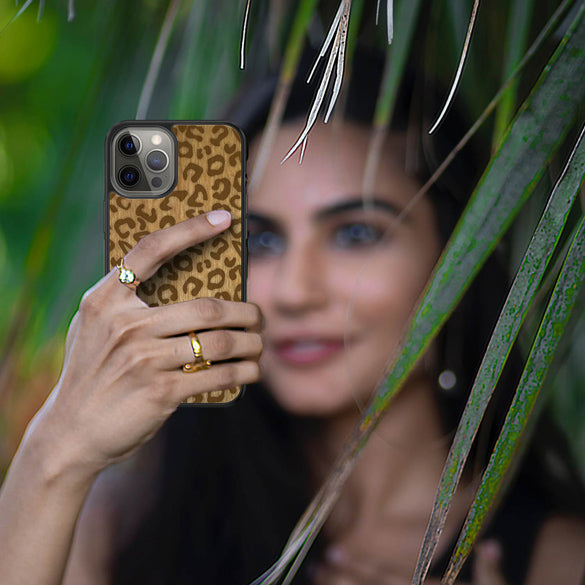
515,525
231,494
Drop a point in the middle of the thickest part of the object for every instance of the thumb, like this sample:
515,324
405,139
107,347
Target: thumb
487,568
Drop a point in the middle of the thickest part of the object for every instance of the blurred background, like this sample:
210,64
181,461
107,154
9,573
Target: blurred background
68,72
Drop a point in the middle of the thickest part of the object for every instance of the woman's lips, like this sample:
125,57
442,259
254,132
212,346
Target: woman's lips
307,352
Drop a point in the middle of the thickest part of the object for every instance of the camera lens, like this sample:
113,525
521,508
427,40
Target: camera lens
128,145
129,176
157,160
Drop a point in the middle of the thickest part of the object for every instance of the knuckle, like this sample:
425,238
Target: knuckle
227,376
221,343
150,243
258,316
256,371
209,309
259,343
178,349
91,304
140,356
162,387
253,371
152,320
123,328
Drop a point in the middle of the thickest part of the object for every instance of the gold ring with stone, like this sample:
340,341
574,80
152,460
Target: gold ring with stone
200,363
127,276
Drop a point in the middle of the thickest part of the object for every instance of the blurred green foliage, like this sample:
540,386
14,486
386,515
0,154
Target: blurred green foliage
64,84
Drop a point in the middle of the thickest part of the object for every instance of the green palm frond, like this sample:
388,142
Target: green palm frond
41,9
516,38
535,136
541,355
520,297
157,58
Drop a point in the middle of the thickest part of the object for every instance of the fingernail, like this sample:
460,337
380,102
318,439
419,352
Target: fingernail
218,216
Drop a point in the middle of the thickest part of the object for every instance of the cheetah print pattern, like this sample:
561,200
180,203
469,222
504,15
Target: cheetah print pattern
209,177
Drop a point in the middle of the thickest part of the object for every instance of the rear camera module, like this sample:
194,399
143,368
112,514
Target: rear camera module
142,160
157,161
129,176
129,145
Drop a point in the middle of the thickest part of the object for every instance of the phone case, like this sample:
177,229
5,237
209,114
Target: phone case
211,158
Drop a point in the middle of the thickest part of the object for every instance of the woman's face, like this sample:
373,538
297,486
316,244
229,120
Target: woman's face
318,268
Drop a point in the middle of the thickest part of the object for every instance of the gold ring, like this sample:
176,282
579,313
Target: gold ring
127,276
200,363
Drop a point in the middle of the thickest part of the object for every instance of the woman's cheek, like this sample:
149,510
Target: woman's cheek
383,289
259,282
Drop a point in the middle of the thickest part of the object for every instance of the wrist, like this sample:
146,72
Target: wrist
45,449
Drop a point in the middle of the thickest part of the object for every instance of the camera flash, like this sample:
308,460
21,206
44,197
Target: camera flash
156,139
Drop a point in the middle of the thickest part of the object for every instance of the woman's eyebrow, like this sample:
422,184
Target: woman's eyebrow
358,203
336,209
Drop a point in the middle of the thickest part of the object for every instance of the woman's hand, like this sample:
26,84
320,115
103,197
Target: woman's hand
122,375
342,568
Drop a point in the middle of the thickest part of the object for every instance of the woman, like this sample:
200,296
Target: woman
213,497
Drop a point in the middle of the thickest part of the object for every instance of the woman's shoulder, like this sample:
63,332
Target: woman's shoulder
559,552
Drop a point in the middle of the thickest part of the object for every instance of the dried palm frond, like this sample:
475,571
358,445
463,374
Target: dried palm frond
244,29
459,71
20,11
339,31
396,58
389,18
303,17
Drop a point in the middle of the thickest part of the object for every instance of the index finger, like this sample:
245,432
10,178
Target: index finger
156,248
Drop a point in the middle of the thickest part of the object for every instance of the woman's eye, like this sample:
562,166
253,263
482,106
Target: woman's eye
356,233
265,243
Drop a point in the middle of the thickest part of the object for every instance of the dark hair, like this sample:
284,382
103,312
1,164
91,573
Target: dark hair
233,481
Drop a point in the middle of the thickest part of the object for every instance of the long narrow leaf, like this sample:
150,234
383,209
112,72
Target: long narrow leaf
521,295
157,58
541,355
516,39
459,71
535,136
396,57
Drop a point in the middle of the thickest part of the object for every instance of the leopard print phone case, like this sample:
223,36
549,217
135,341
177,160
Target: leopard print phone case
211,159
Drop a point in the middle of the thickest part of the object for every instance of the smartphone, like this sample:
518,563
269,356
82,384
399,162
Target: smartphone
158,173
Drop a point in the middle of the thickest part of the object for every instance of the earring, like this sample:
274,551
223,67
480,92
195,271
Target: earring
452,353
447,380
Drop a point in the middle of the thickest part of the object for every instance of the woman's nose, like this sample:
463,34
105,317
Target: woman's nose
300,280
